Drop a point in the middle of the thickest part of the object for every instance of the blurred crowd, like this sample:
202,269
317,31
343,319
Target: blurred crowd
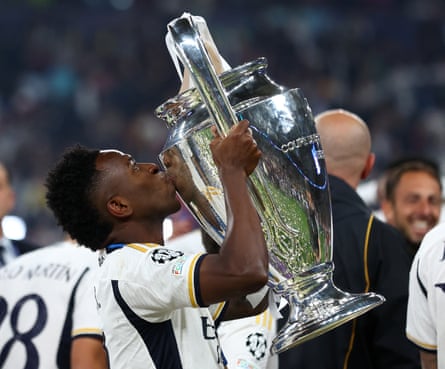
94,71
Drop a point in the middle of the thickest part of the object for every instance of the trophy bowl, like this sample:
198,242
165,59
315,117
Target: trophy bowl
289,187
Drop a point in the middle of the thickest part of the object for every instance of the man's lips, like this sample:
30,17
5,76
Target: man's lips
170,179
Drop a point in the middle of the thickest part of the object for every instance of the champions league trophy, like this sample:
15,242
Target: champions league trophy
289,187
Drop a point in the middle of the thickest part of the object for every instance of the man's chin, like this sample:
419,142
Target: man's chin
179,203
417,239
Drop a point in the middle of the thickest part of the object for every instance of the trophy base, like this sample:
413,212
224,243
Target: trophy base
320,313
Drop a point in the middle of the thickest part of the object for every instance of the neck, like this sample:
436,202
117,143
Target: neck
136,233
351,177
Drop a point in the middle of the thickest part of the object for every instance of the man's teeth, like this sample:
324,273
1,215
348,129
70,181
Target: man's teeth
420,225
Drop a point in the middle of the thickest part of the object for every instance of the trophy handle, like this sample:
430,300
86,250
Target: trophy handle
193,55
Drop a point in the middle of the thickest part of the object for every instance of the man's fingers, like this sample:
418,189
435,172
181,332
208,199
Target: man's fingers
215,131
241,126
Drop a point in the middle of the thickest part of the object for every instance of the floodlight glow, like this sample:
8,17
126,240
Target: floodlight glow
14,227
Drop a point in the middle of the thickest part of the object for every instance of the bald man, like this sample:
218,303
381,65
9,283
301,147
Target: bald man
346,143
368,256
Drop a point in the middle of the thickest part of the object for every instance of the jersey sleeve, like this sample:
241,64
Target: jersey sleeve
420,327
217,311
86,320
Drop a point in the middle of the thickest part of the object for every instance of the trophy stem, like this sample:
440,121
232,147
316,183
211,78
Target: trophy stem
320,308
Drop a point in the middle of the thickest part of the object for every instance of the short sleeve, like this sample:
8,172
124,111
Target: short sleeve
162,281
420,325
85,316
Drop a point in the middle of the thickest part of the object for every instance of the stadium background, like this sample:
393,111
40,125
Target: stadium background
93,71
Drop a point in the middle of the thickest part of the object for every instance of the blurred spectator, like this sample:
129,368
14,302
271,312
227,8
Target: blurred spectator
9,248
410,193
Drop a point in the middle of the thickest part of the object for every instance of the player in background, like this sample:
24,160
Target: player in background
48,317
426,299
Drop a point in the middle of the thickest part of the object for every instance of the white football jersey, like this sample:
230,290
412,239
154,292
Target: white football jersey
46,300
245,342
426,299
152,313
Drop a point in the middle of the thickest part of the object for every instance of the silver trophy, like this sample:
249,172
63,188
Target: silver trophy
289,187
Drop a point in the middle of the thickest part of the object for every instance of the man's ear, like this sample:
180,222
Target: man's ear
370,161
387,208
119,207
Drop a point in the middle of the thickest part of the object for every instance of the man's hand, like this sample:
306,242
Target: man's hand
237,150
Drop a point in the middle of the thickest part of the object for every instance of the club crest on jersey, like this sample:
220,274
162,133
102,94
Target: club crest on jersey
164,255
257,345
244,364
178,265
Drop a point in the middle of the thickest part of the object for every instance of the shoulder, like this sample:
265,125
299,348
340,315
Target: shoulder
61,253
189,243
434,236
386,230
433,244
389,243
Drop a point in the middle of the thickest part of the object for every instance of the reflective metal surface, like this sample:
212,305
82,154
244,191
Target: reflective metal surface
289,187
